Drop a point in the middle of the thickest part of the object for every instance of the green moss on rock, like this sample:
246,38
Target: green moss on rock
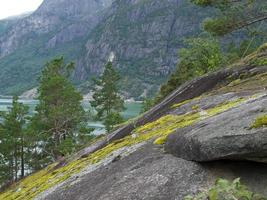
177,105
253,84
259,57
260,122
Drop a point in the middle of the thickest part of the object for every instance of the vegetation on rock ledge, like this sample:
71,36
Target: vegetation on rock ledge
226,190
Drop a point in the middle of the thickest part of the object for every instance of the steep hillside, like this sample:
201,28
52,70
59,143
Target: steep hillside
163,154
56,28
52,17
144,36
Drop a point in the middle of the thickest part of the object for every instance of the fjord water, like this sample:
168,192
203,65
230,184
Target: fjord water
132,110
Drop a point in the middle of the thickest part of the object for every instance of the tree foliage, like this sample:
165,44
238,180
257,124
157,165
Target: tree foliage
58,127
200,56
59,114
106,99
13,142
232,15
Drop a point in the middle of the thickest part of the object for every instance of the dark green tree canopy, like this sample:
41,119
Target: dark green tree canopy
59,113
13,137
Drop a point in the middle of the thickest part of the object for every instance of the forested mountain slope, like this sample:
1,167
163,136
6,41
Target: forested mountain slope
143,35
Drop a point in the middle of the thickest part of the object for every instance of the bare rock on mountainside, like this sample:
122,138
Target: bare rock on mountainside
206,119
227,136
149,174
30,94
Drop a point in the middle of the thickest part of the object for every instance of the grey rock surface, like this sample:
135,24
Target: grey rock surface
224,136
149,174
204,103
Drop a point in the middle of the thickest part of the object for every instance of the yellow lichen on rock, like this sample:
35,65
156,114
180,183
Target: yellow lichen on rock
224,106
195,107
260,122
177,105
160,140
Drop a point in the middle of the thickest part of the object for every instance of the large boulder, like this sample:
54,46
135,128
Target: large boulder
227,135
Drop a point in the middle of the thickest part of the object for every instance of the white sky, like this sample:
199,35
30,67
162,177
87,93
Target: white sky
10,8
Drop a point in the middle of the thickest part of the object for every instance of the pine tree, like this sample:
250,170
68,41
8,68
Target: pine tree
59,115
106,99
13,147
232,15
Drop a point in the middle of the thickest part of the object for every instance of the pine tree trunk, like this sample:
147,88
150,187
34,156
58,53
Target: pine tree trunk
11,170
56,153
16,163
22,157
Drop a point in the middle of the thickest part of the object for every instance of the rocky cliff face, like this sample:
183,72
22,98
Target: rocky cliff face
201,132
144,37
62,18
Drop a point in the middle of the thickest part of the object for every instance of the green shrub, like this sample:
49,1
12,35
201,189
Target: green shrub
227,190
200,56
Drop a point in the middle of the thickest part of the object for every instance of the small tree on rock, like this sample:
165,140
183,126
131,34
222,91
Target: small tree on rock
59,115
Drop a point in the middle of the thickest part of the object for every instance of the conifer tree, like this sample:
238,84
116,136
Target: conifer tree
59,114
106,99
13,146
